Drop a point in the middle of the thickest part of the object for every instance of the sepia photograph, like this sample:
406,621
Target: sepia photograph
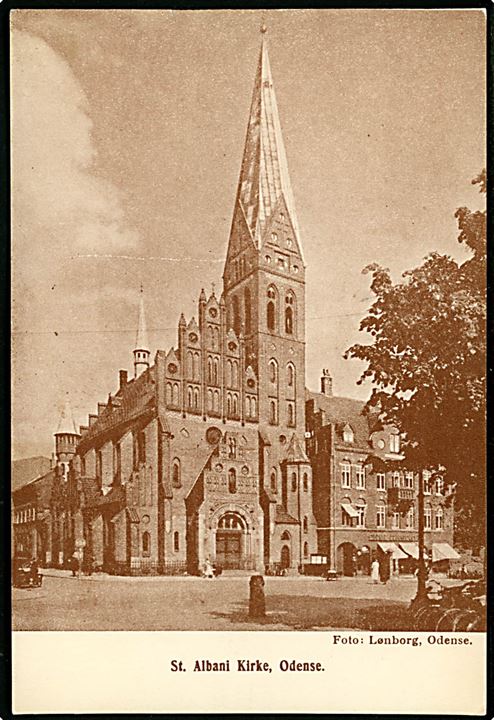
248,321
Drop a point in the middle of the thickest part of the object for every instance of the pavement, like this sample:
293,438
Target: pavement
105,602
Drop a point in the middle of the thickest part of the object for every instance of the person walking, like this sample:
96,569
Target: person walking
375,571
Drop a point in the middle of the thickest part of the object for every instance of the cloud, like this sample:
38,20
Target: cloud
57,193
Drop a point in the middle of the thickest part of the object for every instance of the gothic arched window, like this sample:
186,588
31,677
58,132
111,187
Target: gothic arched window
176,479
271,308
236,315
273,371
306,550
176,541
146,544
273,413
306,524
232,480
290,375
306,482
294,482
274,480
289,313
215,371
290,415
248,311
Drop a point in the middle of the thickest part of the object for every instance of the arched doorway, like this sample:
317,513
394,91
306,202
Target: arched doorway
346,559
229,541
285,557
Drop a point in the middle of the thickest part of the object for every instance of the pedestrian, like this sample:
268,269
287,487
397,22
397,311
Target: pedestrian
384,568
74,564
208,569
375,571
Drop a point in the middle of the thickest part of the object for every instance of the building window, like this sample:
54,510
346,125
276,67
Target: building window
409,480
439,486
273,412
395,523
360,477
236,315
306,550
273,371
232,480
360,508
190,398
274,480
306,524
348,435
99,465
289,313
176,541
248,315
381,516
396,479
394,443
428,518
345,475
410,518
439,519
381,481
176,479
427,482
271,308
146,544
306,482
232,447
274,237
294,482
290,375
290,414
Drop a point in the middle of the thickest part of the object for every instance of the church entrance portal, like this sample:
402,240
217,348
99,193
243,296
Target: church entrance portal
229,542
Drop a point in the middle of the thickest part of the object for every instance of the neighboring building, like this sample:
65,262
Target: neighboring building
365,503
25,470
201,454
43,509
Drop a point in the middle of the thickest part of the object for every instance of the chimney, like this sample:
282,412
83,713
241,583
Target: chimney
122,379
326,383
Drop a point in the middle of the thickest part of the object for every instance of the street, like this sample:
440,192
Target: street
189,603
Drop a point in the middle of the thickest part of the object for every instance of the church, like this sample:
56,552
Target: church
201,453
214,450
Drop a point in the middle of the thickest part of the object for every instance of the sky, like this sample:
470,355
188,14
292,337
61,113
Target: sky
127,137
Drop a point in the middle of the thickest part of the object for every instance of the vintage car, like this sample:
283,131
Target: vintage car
25,573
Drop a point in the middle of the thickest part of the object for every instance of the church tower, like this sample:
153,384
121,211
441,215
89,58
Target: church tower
264,293
141,351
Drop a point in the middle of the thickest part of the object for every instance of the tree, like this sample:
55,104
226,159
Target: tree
427,365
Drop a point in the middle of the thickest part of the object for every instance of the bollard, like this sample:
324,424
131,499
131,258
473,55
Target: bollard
257,599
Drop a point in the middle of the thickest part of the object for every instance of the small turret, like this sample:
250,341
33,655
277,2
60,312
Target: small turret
141,351
326,383
66,439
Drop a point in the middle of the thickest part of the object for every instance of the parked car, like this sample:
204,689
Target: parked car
25,573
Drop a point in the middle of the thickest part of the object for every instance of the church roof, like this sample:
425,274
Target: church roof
66,425
142,342
264,179
295,452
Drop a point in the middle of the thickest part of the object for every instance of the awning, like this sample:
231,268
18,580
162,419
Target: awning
443,551
412,549
349,509
397,553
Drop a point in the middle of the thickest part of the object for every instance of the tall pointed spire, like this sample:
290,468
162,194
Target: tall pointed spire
141,351
66,425
264,181
142,335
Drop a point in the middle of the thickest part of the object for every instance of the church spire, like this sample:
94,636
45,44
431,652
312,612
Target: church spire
141,351
264,184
